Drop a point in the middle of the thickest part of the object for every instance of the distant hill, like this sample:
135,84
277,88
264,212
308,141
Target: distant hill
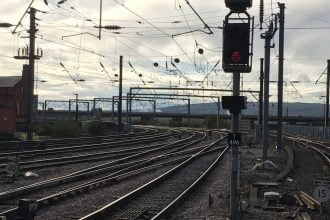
293,109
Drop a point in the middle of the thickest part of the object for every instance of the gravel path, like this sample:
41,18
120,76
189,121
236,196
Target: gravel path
308,166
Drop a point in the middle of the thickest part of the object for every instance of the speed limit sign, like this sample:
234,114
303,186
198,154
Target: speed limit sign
322,193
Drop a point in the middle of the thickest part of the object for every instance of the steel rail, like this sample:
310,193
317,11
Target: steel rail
306,142
12,145
93,157
85,146
111,179
309,140
66,160
35,153
65,145
89,171
101,213
324,154
178,199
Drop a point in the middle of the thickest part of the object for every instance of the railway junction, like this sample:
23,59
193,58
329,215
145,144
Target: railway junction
161,173
130,166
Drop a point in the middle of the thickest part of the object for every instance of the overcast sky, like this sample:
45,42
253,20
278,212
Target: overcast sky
72,51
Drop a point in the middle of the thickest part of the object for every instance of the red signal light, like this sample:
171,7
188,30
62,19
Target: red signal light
235,57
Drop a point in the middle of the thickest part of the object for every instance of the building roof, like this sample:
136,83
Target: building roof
9,81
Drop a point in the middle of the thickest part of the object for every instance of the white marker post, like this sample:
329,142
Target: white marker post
322,192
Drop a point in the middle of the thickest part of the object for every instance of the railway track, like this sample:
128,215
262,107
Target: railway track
155,199
127,163
320,147
29,158
24,146
105,167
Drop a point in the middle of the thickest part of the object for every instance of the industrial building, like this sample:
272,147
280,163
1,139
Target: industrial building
13,101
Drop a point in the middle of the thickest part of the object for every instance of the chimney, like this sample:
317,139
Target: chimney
25,71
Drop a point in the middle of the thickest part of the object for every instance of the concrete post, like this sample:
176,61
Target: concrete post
120,93
280,78
30,100
265,126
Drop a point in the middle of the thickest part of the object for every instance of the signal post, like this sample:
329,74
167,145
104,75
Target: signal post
237,59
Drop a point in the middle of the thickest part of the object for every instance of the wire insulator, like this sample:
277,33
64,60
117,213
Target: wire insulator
261,13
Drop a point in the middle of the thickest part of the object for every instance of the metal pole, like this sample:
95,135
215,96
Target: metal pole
265,126
326,124
100,23
188,111
154,113
234,155
218,113
113,109
280,79
130,107
94,106
31,74
120,92
261,93
70,109
127,116
77,107
287,110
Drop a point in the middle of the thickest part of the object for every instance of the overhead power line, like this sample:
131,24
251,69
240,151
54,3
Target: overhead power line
168,35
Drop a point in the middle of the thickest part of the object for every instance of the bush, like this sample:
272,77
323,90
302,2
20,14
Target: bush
59,129
211,121
8,136
96,128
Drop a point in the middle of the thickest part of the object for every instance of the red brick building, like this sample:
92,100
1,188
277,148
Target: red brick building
13,100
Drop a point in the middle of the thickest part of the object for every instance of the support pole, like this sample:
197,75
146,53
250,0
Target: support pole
235,128
130,107
326,121
77,107
218,112
261,93
189,111
280,78
120,93
70,109
113,109
265,126
154,113
127,116
31,74
94,106
100,22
